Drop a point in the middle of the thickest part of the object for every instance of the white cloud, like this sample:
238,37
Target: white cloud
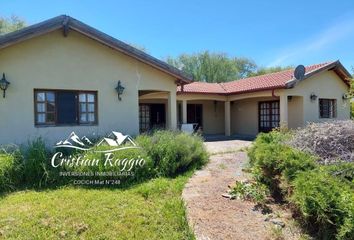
319,42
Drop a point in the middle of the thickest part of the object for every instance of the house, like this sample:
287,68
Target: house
258,104
66,76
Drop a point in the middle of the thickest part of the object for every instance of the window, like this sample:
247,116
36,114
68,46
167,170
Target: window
87,108
45,108
328,108
55,107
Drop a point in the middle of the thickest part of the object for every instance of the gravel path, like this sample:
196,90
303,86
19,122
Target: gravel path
213,216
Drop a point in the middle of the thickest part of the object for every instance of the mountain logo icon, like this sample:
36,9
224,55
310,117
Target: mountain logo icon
116,140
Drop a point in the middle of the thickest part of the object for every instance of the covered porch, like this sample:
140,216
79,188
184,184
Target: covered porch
157,110
242,116
205,112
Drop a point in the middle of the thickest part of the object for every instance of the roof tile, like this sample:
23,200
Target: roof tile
262,82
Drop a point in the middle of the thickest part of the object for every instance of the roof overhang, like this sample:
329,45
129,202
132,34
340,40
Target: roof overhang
336,66
66,23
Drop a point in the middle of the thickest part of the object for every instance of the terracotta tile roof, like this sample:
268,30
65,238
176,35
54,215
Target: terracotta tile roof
202,87
263,82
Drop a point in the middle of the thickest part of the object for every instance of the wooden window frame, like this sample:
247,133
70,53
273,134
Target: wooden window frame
87,112
331,111
45,102
55,123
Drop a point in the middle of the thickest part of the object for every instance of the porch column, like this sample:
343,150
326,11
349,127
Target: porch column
172,111
283,110
184,111
227,119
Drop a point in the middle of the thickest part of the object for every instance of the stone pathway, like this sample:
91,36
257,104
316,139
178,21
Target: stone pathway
213,216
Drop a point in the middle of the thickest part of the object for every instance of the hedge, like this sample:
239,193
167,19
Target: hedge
323,196
165,153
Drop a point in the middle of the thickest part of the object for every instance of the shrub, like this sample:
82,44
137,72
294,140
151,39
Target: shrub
173,152
325,203
127,157
165,153
37,169
264,139
10,170
322,195
344,171
331,141
256,192
276,164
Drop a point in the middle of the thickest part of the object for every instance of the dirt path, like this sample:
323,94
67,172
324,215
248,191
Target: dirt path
213,216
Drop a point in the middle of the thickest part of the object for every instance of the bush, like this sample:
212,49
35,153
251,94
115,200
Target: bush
331,141
256,192
173,152
10,170
344,171
325,203
275,164
37,169
165,153
130,172
322,196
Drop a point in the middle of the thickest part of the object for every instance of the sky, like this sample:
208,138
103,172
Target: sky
272,32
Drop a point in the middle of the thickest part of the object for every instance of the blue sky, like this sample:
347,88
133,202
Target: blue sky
273,32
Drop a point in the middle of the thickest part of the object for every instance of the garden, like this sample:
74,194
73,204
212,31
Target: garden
311,172
37,202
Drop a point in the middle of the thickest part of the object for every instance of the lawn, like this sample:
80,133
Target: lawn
152,210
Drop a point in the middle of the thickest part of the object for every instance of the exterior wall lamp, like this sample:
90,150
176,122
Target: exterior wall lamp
346,96
313,97
4,84
120,90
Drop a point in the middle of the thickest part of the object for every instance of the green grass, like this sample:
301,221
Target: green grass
152,210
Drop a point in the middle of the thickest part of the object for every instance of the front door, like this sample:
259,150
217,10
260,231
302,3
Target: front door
269,115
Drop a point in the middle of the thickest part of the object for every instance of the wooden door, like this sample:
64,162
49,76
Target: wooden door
269,115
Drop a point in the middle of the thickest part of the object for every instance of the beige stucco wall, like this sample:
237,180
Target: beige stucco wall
213,119
52,61
325,85
296,112
301,110
244,116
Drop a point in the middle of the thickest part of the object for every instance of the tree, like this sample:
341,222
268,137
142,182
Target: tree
11,24
213,67
266,70
351,95
139,47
